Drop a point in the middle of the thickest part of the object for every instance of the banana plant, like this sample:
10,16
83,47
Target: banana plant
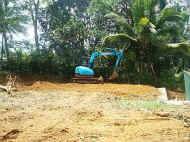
153,27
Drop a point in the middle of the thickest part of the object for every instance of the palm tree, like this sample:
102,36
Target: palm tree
153,26
11,21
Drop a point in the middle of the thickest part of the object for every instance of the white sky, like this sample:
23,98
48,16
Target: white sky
181,2
27,35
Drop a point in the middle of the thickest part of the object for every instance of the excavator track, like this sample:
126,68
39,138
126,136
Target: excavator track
83,79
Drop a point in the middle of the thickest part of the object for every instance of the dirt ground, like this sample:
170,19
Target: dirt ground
131,91
50,112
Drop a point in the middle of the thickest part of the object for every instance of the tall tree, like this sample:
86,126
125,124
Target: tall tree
11,21
33,7
64,27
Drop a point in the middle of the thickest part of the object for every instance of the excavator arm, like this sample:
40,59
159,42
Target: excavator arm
109,52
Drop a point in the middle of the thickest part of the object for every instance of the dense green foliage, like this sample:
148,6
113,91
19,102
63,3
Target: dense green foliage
154,37
149,28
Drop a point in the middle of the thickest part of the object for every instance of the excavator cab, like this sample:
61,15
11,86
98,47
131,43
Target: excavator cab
84,71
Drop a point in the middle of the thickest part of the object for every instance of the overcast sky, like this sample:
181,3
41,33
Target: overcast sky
27,35
29,32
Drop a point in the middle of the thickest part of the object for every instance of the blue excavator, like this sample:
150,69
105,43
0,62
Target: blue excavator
86,74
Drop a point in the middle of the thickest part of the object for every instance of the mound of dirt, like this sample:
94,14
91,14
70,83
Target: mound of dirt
137,91
43,85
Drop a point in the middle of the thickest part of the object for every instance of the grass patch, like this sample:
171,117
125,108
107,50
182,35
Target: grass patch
145,105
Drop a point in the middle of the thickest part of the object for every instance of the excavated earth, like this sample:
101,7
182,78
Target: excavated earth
52,112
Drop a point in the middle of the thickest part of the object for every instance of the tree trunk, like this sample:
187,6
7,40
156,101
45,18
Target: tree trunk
2,48
6,44
4,34
36,33
36,8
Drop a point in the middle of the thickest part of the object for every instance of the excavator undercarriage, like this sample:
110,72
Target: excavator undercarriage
87,79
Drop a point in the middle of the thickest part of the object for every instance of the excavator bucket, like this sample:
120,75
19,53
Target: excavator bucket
114,75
